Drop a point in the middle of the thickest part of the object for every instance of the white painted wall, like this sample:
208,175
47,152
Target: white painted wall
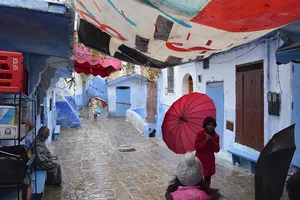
50,114
138,95
222,68
179,73
76,89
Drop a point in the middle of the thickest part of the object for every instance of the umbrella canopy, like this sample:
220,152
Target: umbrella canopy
162,33
273,165
96,65
184,120
103,103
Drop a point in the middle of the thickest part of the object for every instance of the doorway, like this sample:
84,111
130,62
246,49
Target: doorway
123,100
187,84
191,90
215,90
250,105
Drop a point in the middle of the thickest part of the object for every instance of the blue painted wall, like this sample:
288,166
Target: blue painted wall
68,105
215,90
71,101
296,111
138,93
97,88
141,111
38,38
81,99
36,64
51,33
66,116
160,118
77,101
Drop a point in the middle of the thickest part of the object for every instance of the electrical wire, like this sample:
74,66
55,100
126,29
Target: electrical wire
237,56
247,51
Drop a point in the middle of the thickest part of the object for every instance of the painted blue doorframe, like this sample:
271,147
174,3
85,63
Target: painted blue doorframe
215,90
123,101
296,111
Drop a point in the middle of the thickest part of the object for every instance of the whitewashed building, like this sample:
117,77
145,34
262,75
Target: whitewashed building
239,82
129,91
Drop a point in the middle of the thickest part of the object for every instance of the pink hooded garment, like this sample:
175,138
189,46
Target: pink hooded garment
189,193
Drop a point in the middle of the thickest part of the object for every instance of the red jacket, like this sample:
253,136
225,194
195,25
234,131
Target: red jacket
205,151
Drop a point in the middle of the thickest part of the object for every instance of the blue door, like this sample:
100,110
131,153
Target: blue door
215,90
296,111
123,101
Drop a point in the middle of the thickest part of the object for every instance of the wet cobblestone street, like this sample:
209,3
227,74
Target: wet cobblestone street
95,169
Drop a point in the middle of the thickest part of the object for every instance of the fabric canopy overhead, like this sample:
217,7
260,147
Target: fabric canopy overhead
162,33
86,63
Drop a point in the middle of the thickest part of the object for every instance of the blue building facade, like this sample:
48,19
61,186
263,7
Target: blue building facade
43,32
129,91
97,88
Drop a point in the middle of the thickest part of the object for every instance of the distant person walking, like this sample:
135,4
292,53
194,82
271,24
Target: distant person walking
93,105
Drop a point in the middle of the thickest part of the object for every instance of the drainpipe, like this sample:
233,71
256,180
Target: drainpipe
268,63
267,50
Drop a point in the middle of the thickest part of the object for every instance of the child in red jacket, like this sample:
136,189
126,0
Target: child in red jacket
207,144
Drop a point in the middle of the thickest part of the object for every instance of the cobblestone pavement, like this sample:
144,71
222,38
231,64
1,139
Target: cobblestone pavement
95,169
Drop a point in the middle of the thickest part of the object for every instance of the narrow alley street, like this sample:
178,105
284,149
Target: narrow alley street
94,166
166,76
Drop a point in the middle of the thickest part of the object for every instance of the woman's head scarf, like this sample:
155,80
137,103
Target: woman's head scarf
42,132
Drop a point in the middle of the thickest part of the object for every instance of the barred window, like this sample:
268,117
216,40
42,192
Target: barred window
170,71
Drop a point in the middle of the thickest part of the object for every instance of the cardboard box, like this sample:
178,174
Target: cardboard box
10,115
8,131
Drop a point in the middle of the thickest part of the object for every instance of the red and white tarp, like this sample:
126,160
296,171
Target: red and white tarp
169,32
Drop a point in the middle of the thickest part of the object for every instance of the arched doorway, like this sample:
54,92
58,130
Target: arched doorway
187,84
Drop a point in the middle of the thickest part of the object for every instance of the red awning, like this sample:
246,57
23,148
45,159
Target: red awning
87,63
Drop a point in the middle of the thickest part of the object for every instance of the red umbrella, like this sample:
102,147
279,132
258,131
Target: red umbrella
184,120
100,100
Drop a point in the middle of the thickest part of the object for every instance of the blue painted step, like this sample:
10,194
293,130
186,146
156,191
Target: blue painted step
56,133
238,154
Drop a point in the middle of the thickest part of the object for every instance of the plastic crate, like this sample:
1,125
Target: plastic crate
11,72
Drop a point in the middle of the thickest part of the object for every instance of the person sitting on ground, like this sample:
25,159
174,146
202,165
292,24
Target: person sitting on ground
44,158
189,183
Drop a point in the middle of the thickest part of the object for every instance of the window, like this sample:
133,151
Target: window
170,79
